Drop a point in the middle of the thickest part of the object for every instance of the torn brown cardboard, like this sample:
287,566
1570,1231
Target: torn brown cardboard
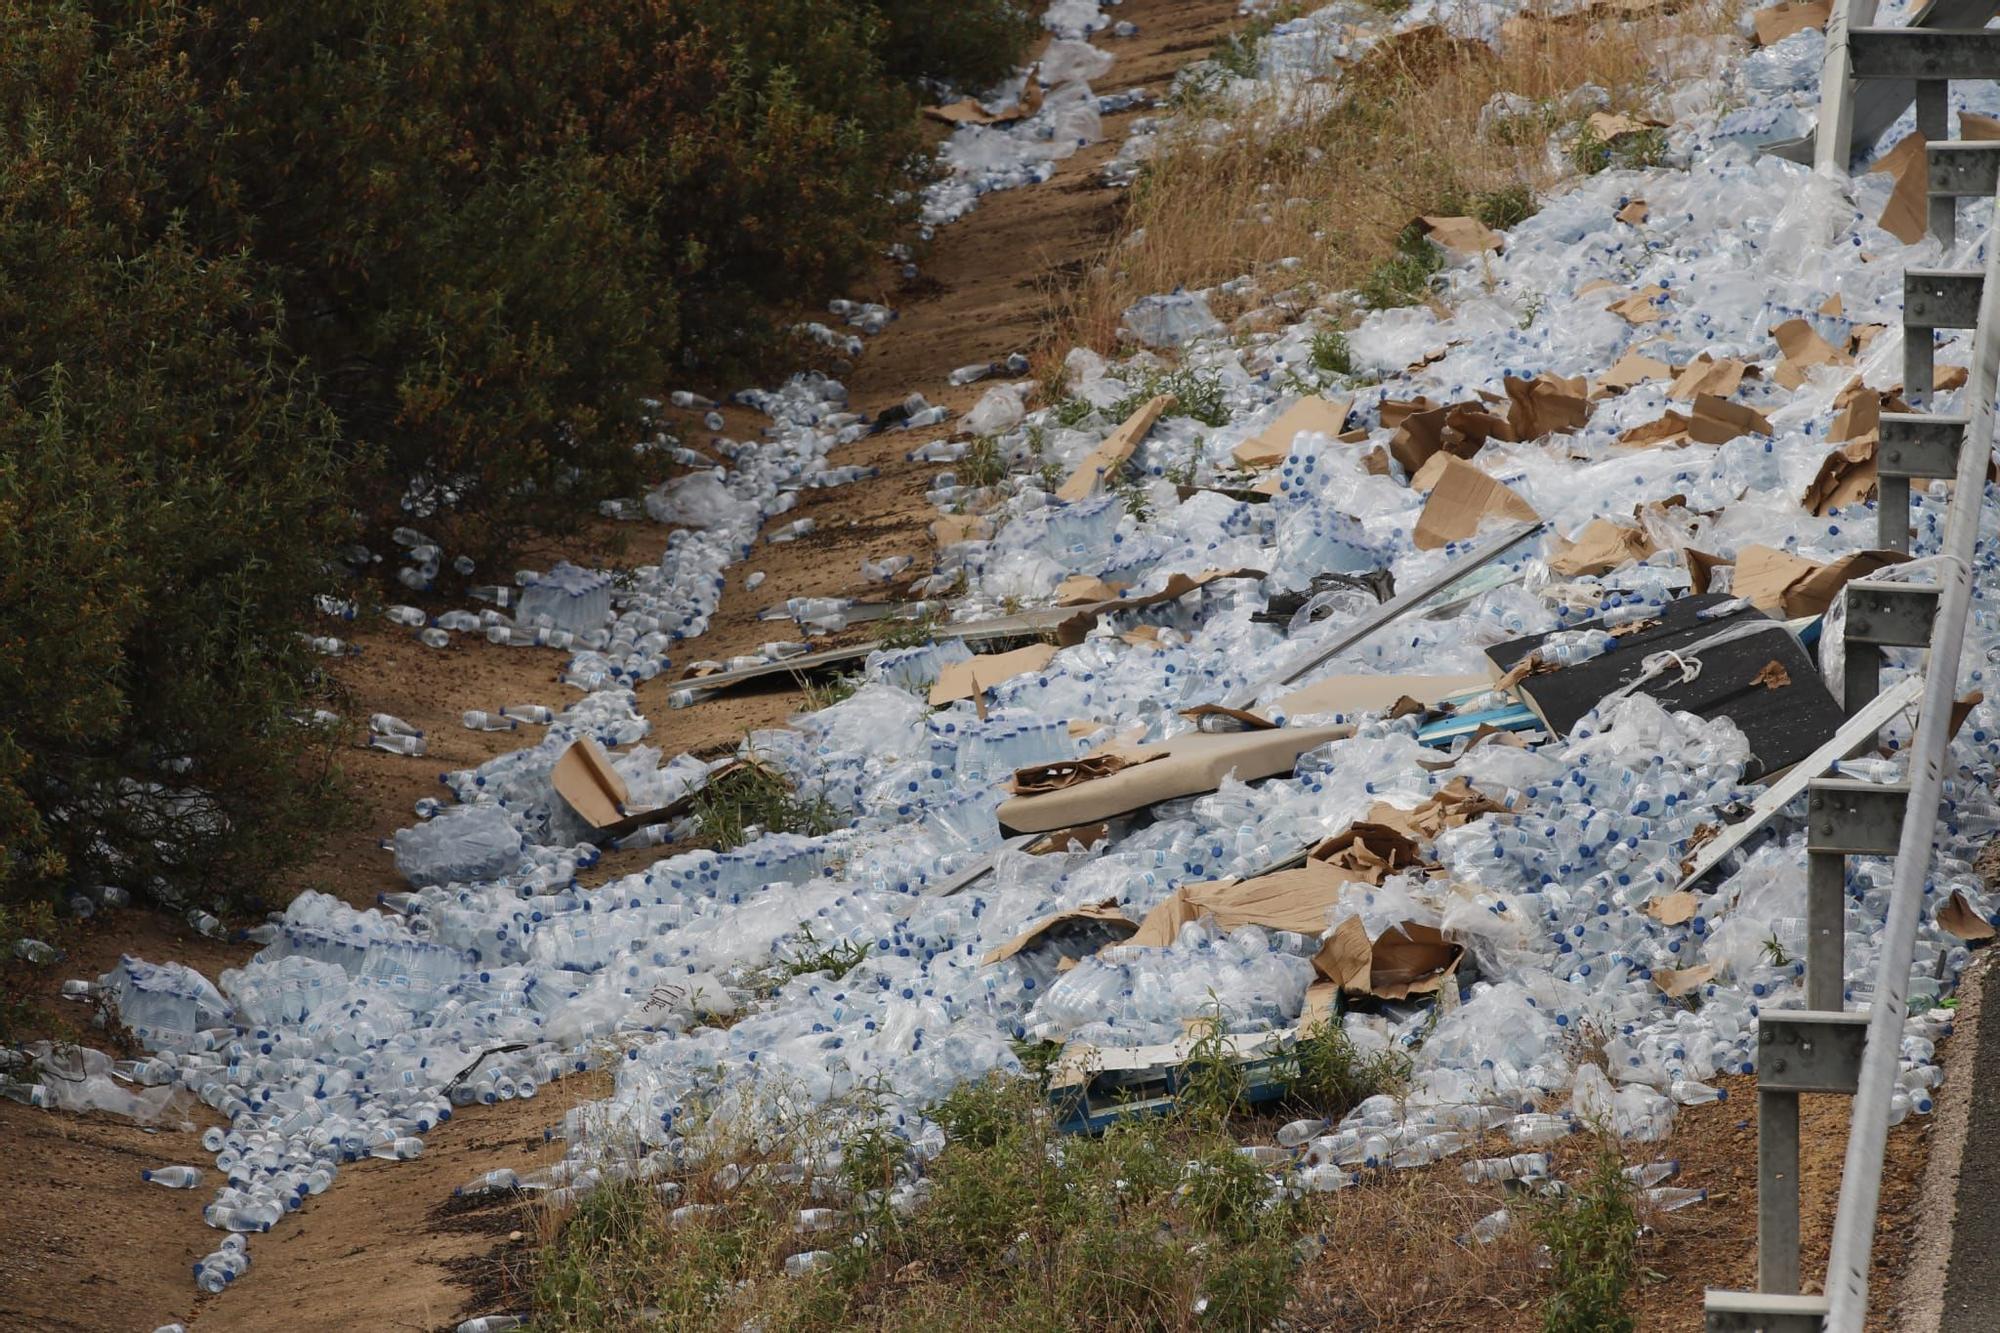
1632,214
1405,960
1672,428
1269,446
1957,917
1072,630
971,680
1195,762
1081,589
1629,370
1803,350
1059,841
1349,695
1468,236
1367,852
1783,584
1111,455
1781,21
1105,913
1254,721
954,528
1640,307
1716,420
1704,374
589,785
1611,126
1904,217
1300,900
1060,774
1546,405
1672,909
966,111
1601,547
1684,980
1454,805
1461,497
1846,476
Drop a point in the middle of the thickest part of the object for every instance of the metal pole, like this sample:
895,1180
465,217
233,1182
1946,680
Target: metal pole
1777,1191
1861,1176
1833,141
1826,929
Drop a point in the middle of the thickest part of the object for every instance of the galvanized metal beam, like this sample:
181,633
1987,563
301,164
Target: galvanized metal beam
1919,444
1963,168
1810,1050
1762,1312
1894,615
1854,817
1941,298
1920,53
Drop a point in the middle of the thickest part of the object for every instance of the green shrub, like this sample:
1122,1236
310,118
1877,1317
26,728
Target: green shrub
973,43
1405,277
168,489
1592,1234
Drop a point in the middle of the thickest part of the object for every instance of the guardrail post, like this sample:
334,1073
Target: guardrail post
1826,929
1933,118
1777,1191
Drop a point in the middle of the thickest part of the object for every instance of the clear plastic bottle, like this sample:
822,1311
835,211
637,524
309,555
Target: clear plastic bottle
388,724
173,1177
476,719
1494,1170
1670,1198
404,745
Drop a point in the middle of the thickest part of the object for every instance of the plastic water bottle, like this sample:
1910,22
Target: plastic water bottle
1648,1174
491,1323
1325,1177
40,952
1490,1227
539,714
1494,1170
1568,648
493,1182
799,1265
1669,1198
477,719
388,724
1299,1132
435,638
405,615
811,1220
173,1177
1690,1092
204,923
404,745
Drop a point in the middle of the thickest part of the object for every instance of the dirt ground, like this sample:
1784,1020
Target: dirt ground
84,1245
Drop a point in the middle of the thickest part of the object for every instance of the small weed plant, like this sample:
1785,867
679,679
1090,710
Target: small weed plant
1592,1235
751,797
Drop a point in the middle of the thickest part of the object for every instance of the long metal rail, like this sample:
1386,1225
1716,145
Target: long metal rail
1861,1178
1823,1048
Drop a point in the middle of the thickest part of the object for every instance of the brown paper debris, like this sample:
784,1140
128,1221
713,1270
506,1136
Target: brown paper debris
953,528
1629,370
1105,460
1683,981
1803,349
1601,547
1546,405
1633,213
1781,21
1671,909
1773,676
1104,913
1461,496
1671,428
1610,126
1408,959
971,680
1783,584
966,111
1079,589
1957,917
1716,420
1639,307
1468,236
1269,446
1846,476
1704,374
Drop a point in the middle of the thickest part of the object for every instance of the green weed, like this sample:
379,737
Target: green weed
1331,354
1333,1076
752,797
907,631
1592,1235
1405,277
984,464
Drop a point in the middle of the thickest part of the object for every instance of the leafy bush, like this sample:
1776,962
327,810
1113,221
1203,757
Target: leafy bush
167,490
269,269
1592,1234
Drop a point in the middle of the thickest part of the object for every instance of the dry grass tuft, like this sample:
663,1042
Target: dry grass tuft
1334,177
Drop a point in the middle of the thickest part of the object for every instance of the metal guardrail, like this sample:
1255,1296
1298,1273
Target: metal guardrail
1823,1048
